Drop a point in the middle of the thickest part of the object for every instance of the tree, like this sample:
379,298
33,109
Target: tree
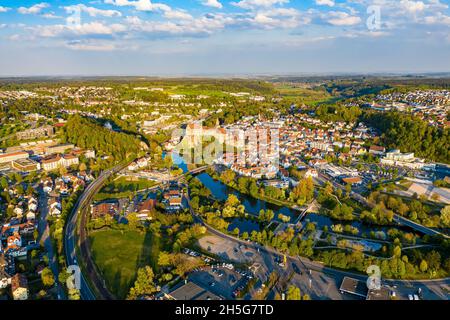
293,293
348,189
133,220
397,251
232,201
446,265
47,277
20,190
228,176
411,134
303,192
144,284
445,216
62,171
4,183
423,266
82,167
164,259
253,188
266,215
74,294
433,259
284,218
30,190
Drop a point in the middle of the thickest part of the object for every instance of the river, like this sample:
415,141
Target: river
221,192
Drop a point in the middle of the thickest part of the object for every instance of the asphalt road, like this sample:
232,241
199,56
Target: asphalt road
44,236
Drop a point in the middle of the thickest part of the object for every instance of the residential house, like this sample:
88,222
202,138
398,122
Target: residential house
55,207
19,287
102,209
145,208
5,278
311,173
377,150
47,185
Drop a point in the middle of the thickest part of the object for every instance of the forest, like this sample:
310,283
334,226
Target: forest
86,133
410,134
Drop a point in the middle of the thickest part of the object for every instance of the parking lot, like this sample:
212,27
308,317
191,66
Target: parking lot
221,281
227,250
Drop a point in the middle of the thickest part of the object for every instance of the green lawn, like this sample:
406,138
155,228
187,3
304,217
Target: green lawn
119,254
305,95
122,188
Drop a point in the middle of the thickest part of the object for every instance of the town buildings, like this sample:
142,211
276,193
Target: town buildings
19,287
60,148
45,131
431,106
145,208
396,158
55,162
25,165
10,157
100,210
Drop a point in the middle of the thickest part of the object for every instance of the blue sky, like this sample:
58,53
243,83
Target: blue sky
233,37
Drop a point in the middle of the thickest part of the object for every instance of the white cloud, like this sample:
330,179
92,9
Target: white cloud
85,29
15,37
413,6
4,9
177,14
329,3
91,45
93,12
278,18
212,3
140,5
148,5
36,9
252,4
50,15
438,4
439,18
338,18
204,25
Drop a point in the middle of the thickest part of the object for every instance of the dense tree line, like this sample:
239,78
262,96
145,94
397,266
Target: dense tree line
86,133
338,113
300,194
400,265
414,210
411,134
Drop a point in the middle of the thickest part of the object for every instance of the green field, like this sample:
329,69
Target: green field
119,254
122,188
304,95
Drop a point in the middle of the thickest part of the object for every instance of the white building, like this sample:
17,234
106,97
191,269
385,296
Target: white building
9,157
59,161
396,158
